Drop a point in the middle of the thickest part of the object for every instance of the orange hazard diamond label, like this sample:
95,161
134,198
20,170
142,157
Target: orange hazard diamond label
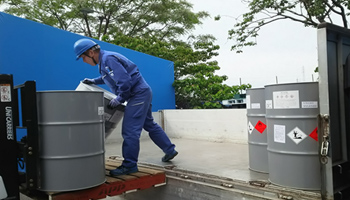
314,134
260,126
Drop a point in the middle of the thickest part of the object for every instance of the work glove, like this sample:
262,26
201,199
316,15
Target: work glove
88,81
113,103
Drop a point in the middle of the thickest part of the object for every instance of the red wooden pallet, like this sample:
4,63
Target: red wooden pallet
143,179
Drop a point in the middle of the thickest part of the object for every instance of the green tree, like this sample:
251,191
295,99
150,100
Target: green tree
196,85
164,19
263,12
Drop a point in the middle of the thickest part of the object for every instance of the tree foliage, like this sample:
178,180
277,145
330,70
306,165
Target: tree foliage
164,19
263,12
196,85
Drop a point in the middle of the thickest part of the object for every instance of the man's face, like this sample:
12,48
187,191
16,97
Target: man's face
88,59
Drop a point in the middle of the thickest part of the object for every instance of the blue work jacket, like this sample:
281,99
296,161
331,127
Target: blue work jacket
120,74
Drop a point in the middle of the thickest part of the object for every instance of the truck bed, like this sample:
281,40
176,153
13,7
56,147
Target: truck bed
207,170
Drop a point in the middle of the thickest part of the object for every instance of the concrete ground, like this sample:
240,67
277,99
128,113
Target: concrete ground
223,159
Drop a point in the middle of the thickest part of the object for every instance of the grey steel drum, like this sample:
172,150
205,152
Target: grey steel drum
291,115
112,116
257,137
71,140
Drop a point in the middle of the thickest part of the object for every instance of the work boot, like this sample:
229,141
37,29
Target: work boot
169,156
121,170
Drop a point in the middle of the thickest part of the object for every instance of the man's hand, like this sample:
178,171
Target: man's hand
88,81
113,104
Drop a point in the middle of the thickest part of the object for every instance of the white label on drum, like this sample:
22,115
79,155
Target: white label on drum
250,128
297,135
286,99
247,100
255,106
101,110
279,133
268,104
309,104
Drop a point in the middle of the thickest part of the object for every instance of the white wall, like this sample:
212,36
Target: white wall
222,125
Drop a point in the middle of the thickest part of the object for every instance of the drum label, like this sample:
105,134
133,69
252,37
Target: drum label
309,104
250,128
297,135
100,110
286,99
279,133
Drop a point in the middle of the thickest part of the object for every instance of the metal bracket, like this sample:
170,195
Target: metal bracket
324,133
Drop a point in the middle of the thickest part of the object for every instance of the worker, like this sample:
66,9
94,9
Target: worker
122,76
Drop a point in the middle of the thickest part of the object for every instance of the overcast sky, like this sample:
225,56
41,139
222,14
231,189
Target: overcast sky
286,50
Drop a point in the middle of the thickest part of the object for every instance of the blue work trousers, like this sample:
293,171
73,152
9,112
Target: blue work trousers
138,115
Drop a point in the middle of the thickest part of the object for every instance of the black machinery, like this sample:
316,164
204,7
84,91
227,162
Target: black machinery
18,101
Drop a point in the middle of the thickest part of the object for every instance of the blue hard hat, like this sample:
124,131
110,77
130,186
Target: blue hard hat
83,45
